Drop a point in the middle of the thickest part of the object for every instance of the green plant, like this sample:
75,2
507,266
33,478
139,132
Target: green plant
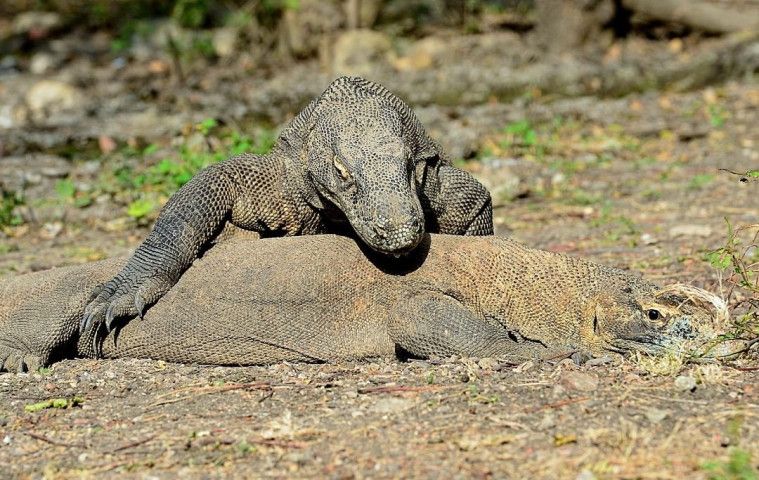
717,115
8,203
738,466
141,208
68,192
699,181
738,261
191,13
54,403
149,186
521,132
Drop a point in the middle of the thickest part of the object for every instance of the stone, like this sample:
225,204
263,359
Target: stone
488,363
361,52
584,382
391,405
48,95
655,415
42,62
422,55
224,41
690,230
35,21
593,362
685,383
303,31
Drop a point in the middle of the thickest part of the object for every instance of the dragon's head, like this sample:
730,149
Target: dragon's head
365,154
638,316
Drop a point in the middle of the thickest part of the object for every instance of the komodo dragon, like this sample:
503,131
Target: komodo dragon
325,298
355,153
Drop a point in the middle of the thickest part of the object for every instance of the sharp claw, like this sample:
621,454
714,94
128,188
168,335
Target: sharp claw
84,325
109,315
95,343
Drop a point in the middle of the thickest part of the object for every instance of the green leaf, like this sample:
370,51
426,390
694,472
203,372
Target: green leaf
83,201
207,125
54,403
65,188
150,149
719,259
140,208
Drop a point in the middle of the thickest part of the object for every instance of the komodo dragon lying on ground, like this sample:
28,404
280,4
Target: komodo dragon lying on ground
355,153
323,298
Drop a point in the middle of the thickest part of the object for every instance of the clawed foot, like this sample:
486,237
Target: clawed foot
13,360
122,298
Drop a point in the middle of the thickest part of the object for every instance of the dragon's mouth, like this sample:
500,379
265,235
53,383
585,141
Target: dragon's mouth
700,347
397,240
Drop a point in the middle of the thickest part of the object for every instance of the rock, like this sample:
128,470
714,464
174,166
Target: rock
361,52
35,23
106,144
648,239
421,55
599,361
584,382
47,95
224,41
42,62
488,363
303,31
655,415
685,383
391,405
501,180
51,230
585,475
690,230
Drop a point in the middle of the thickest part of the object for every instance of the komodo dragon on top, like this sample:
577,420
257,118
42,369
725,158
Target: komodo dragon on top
323,298
357,153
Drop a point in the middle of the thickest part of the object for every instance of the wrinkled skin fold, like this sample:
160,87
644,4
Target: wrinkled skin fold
325,298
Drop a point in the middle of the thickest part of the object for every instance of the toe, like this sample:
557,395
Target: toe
122,306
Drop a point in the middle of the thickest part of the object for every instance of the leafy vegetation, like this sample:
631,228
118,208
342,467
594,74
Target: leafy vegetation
144,189
8,203
738,262
54,403
738,466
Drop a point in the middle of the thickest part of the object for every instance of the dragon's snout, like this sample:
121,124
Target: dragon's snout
388,236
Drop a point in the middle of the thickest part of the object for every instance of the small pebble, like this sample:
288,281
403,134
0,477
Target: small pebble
583,382
593,362
685,383
656,415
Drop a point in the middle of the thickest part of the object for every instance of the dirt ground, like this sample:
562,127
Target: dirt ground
632,182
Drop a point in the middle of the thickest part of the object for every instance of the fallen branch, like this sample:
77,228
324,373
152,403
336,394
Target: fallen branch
133,444
559,404
51,441
399,389
215,389
697,14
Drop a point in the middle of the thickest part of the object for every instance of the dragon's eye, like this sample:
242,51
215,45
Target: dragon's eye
341,168
654,314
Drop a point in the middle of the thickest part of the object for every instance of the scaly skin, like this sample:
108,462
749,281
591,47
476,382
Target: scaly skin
355,153
326,298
